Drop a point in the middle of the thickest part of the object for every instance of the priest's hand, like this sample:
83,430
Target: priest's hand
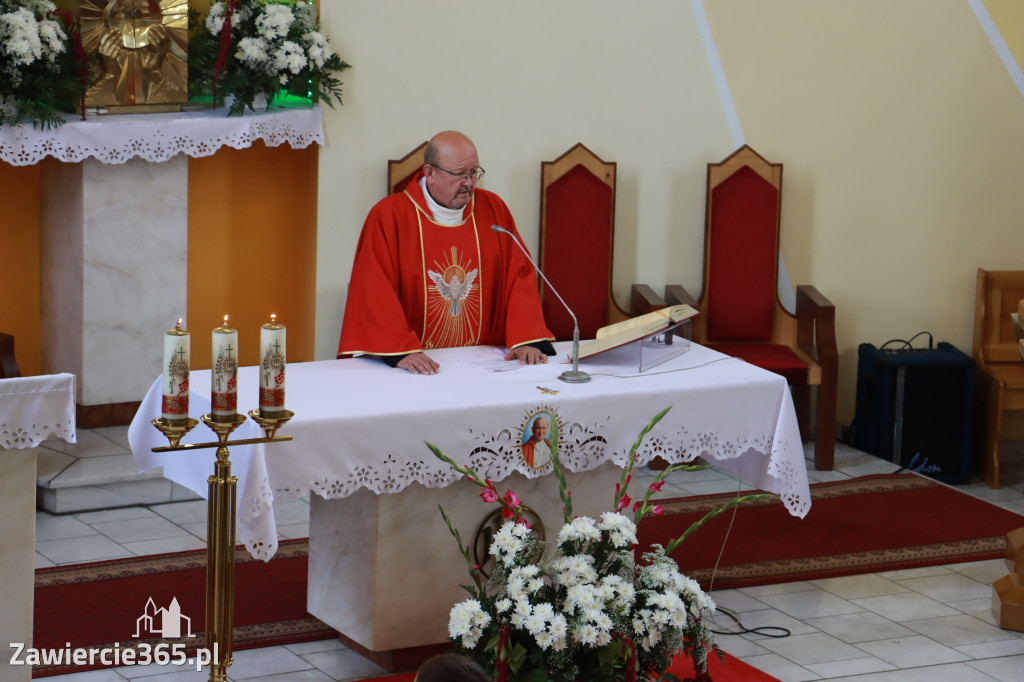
528,355
419,363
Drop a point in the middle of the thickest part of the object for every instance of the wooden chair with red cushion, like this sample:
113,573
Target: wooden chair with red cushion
740,310
401,171
577,236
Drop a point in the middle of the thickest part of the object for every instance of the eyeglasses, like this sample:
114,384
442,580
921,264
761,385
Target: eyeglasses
473,175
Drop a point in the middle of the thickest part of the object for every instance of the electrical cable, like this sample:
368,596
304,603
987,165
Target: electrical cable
765,630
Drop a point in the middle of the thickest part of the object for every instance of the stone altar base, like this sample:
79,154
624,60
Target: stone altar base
17,556
385,571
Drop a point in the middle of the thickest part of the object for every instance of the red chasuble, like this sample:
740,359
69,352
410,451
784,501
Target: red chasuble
417,284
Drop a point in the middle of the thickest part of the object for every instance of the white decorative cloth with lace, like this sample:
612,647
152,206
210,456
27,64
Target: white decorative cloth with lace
361,424
34,408
158,137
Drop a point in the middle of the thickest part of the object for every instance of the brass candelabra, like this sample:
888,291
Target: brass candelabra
220,517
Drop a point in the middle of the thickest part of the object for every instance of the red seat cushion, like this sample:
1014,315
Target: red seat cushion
770,356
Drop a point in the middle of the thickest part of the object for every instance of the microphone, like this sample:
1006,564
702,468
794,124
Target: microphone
575,376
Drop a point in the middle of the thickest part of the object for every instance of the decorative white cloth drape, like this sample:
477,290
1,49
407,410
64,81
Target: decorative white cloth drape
360,424
158,137
35,408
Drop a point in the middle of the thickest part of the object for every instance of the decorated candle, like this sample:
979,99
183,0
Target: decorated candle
177,364
272,366
224,398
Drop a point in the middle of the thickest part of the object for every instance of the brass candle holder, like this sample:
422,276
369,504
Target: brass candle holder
220,518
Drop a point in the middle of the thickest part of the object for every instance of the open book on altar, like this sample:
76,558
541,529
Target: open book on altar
627,331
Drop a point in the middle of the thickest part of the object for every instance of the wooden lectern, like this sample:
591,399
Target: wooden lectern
1008,591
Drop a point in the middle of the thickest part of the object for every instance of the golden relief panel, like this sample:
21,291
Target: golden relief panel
138,52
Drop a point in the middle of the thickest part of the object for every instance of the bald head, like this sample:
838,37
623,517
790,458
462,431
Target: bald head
447,158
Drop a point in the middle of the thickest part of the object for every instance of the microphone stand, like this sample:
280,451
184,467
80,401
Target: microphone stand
575,376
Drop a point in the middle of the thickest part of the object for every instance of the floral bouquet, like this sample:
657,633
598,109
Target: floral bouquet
250,48
42,62
584,609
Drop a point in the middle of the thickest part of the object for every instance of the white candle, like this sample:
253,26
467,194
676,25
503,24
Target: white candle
177,364
224,401
272,367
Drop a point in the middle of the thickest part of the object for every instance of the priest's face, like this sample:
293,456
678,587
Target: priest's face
451,182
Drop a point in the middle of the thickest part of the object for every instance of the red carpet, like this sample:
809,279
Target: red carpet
864,525
99,603
731,670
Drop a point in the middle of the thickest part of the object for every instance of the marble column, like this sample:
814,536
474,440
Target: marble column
114,272
17,556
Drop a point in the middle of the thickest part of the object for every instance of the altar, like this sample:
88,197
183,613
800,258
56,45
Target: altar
384,570
31,410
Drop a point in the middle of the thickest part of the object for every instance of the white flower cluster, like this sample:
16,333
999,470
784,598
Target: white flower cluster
467,621
26,36
215,18
621,530
269,50
670,600
508,542
274,21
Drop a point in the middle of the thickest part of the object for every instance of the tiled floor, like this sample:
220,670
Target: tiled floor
931,624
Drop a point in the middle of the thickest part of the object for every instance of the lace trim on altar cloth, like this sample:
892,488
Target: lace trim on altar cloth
495,456
34,408
158,137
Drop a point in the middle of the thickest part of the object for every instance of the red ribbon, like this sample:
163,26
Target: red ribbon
502,656
631,651
225,43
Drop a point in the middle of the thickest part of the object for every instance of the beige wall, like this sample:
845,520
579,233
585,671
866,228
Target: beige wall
899,128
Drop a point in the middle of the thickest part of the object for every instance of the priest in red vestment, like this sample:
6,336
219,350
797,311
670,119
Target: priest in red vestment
429,272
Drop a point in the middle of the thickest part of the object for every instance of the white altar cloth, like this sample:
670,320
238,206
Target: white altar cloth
31,409
116,138
35,408
360,424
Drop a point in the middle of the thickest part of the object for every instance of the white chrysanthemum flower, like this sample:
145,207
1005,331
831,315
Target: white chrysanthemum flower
22,43
252,51
503,605
52,38
317,49
467,621
580,528
274,21
545,611
534,624
558,626
215,18
544,639
290,57
586,634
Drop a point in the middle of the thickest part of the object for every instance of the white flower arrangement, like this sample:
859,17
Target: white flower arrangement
246,48
42,63
585,609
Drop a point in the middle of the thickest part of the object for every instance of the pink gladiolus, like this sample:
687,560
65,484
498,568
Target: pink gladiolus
507,513
489,495
624,502
657,510
511,499
656,486
636,507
